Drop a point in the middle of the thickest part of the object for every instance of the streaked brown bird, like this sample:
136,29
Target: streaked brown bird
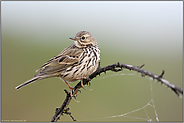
74,63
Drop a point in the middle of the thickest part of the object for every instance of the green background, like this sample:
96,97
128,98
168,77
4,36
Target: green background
134,33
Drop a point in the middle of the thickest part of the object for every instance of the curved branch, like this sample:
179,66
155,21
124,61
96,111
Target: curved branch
113,67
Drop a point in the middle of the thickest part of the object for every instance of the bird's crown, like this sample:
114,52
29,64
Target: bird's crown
84,39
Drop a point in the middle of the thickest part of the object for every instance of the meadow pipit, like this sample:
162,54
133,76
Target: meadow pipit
74,63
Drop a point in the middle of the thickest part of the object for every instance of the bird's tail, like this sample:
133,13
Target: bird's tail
28,82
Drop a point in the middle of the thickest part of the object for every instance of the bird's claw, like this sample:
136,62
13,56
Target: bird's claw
87,89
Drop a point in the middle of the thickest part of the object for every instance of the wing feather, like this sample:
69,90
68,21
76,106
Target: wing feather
68,57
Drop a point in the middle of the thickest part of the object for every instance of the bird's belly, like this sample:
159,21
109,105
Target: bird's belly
77,72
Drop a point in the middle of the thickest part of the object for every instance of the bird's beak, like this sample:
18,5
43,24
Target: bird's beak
73,38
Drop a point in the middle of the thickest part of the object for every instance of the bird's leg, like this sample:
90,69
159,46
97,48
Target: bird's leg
71,88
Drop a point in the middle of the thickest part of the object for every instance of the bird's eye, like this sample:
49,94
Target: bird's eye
83,37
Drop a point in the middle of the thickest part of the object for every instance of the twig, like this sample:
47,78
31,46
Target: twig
116,68
60,111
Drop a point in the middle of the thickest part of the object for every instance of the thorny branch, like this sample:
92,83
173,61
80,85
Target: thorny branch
113,67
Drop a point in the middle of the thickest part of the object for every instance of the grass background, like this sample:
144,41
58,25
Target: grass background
135,33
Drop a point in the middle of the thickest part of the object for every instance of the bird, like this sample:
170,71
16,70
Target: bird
76,62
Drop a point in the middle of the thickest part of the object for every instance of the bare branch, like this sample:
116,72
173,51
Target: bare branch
116,68
61,110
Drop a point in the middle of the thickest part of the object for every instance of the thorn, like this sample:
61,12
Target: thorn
175,91
160,82
143,75
161,75
105,72
56,109
141,66
119,64
66,91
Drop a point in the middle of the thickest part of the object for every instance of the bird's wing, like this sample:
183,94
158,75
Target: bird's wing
68,57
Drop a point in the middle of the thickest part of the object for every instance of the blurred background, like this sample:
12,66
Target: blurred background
134,33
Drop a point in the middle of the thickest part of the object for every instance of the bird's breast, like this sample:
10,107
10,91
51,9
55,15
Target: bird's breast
88,63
